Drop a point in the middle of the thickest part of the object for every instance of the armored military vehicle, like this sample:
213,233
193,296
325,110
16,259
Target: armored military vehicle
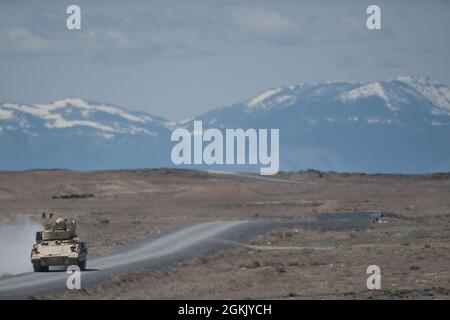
58,245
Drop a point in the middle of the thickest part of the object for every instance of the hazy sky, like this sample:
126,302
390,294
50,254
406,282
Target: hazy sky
180,58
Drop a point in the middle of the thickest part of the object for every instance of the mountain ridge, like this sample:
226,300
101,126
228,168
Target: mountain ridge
328,125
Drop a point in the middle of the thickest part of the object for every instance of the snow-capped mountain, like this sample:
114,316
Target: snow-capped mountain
397,125
70,113
340,101
79,134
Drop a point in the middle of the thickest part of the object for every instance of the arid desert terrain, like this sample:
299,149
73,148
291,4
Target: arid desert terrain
410,243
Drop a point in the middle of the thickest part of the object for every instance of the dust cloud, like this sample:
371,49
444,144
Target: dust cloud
16,240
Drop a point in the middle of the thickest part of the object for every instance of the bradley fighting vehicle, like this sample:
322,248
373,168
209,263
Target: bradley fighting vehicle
58,245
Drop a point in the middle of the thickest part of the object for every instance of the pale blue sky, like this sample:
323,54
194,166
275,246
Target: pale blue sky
181,58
